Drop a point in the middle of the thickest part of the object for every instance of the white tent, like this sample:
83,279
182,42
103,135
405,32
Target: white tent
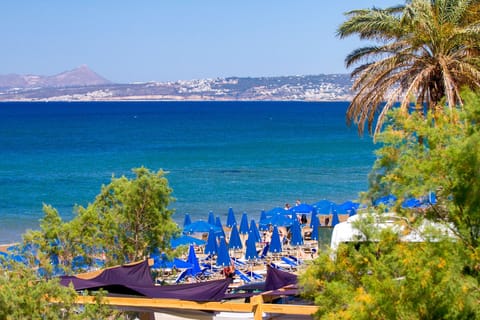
347,231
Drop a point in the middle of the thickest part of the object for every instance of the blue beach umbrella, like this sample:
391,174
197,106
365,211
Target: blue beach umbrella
231,218
180,264
243,224
347,207
274,211
275,243
279,220
211,247
200,226
388,200
315,223
211,218
262,226
263,215
324,206
223,258
313,216
251,251
302,208
411,203
294,218
335,220
296,234
253,231
235,241
160,261
192,259
218,223
185,240
352,213
187,220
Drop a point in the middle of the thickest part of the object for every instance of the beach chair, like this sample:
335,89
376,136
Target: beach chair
181,276
239,264
264,252
281,266
242,276
290,262
297,260
205,274
254,275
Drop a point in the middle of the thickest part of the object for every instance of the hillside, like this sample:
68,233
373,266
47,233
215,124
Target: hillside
83,84
81,76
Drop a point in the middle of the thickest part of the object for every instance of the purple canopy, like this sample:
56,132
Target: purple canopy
277,279
277,282
136,279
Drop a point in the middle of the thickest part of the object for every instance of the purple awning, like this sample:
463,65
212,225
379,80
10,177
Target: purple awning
277,279
136,280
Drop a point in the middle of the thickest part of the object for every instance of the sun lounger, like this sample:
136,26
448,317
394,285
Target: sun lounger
239,264
264,253
242,276
254,275
281,266
290,262
297,260
181,276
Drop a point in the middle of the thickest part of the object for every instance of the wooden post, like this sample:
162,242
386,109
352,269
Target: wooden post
257,302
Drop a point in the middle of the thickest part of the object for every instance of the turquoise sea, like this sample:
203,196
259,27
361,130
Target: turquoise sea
245,155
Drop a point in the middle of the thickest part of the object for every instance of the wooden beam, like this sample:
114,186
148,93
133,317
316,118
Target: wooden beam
289,309
168,303
256,305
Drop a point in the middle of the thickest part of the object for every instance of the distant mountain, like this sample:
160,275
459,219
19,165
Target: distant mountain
82,84
81,76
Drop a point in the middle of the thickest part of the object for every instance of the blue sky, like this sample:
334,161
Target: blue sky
128,41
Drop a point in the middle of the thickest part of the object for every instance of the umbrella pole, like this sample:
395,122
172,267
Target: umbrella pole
251,270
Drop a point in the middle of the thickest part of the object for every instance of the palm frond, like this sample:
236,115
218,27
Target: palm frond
424,49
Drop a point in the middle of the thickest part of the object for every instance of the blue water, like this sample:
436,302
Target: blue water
245,155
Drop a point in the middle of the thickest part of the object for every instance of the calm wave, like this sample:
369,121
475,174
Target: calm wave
245,155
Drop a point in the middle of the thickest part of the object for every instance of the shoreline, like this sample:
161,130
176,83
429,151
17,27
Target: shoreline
4,247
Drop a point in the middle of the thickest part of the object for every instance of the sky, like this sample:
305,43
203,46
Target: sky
154,40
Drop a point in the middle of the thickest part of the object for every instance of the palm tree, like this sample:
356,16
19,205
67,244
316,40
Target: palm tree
423,52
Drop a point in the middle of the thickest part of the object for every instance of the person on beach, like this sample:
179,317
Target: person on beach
287,206
303,219
229,271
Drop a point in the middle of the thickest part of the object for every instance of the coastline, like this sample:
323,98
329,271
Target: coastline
4,247
160,98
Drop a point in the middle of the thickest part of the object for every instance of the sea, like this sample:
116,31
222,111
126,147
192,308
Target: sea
248,156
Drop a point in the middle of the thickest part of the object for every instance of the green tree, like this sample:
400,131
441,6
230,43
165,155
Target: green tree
447,162
25,296
132,217
388,279
127,221
419,52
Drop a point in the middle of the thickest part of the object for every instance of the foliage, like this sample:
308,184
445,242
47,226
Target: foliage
128,220
386,278
447,161
393,280
422,51
25,296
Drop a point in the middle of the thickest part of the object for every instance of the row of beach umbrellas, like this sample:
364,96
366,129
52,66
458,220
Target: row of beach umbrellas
216,244
274,217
